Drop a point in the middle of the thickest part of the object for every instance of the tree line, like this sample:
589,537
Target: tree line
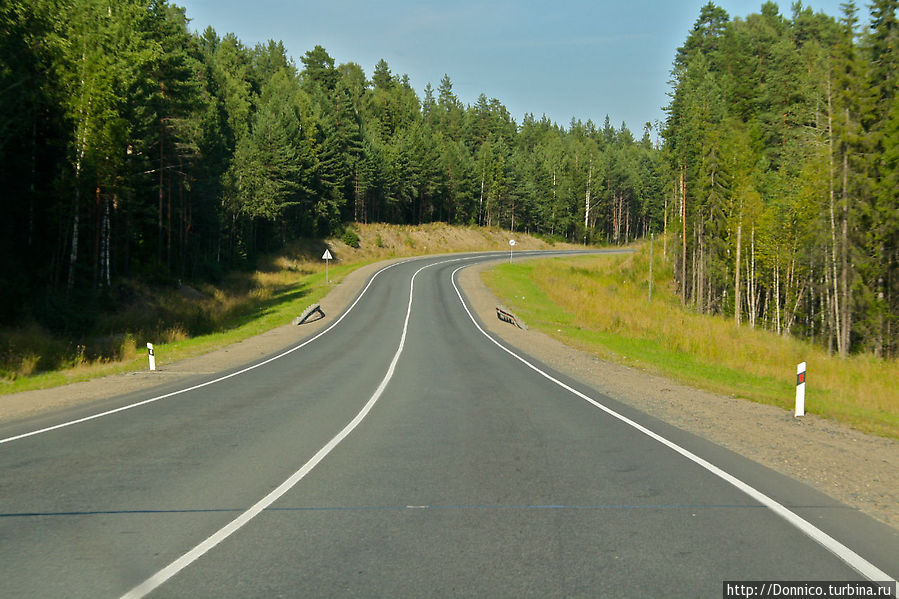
783,166
131,147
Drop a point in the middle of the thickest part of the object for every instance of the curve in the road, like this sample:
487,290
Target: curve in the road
851,558
373,370
197,552
206,383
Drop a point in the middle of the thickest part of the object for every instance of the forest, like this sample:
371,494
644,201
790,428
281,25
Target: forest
783,167
133,147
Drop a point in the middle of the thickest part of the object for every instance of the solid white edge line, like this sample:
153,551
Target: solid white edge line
854,560
197,552
207,383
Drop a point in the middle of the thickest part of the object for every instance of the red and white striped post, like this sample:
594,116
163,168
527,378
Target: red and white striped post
800,390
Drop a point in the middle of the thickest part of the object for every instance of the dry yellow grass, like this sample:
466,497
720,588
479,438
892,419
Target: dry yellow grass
380,241
607,296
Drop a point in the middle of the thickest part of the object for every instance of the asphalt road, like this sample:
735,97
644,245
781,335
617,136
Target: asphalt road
402,453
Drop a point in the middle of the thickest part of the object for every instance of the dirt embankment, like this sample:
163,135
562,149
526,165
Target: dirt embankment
379,241
857,469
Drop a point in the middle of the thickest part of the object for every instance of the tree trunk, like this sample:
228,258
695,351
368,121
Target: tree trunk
777,326
878,334
627,223
73,255
753,292
650,266
168,231
792,317
683,208
481,201
81,140
737,306
587,197
694,271
699,263
552,218
32,183
98,226
105,236
161,193
359,205
665,226
844,259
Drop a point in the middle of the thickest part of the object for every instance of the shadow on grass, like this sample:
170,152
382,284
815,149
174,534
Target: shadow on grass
266,307
31,356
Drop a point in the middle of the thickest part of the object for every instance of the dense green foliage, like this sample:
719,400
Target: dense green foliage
133,148
782,146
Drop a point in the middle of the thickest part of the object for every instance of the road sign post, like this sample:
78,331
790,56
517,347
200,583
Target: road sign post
327,258
511,247
152,357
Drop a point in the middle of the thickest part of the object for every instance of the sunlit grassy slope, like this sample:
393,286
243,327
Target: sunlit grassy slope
600,304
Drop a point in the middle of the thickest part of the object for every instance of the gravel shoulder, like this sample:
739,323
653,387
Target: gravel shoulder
858,470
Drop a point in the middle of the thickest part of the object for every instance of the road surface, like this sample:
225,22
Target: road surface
401,453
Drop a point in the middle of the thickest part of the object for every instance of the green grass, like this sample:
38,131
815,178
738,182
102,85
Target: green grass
600,305
279,310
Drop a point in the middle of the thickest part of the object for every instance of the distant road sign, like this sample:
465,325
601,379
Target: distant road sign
327,257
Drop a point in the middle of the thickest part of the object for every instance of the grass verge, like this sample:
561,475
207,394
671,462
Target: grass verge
600,304
274,305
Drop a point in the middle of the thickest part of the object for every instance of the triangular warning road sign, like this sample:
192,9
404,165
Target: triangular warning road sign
327,255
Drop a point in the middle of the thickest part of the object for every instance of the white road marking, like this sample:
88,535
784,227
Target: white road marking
854,560
191,556
207,383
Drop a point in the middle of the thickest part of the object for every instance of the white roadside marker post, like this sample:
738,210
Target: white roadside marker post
327,258
511,247
800,390
152,357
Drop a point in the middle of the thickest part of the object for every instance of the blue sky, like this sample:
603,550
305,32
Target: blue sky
564,59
